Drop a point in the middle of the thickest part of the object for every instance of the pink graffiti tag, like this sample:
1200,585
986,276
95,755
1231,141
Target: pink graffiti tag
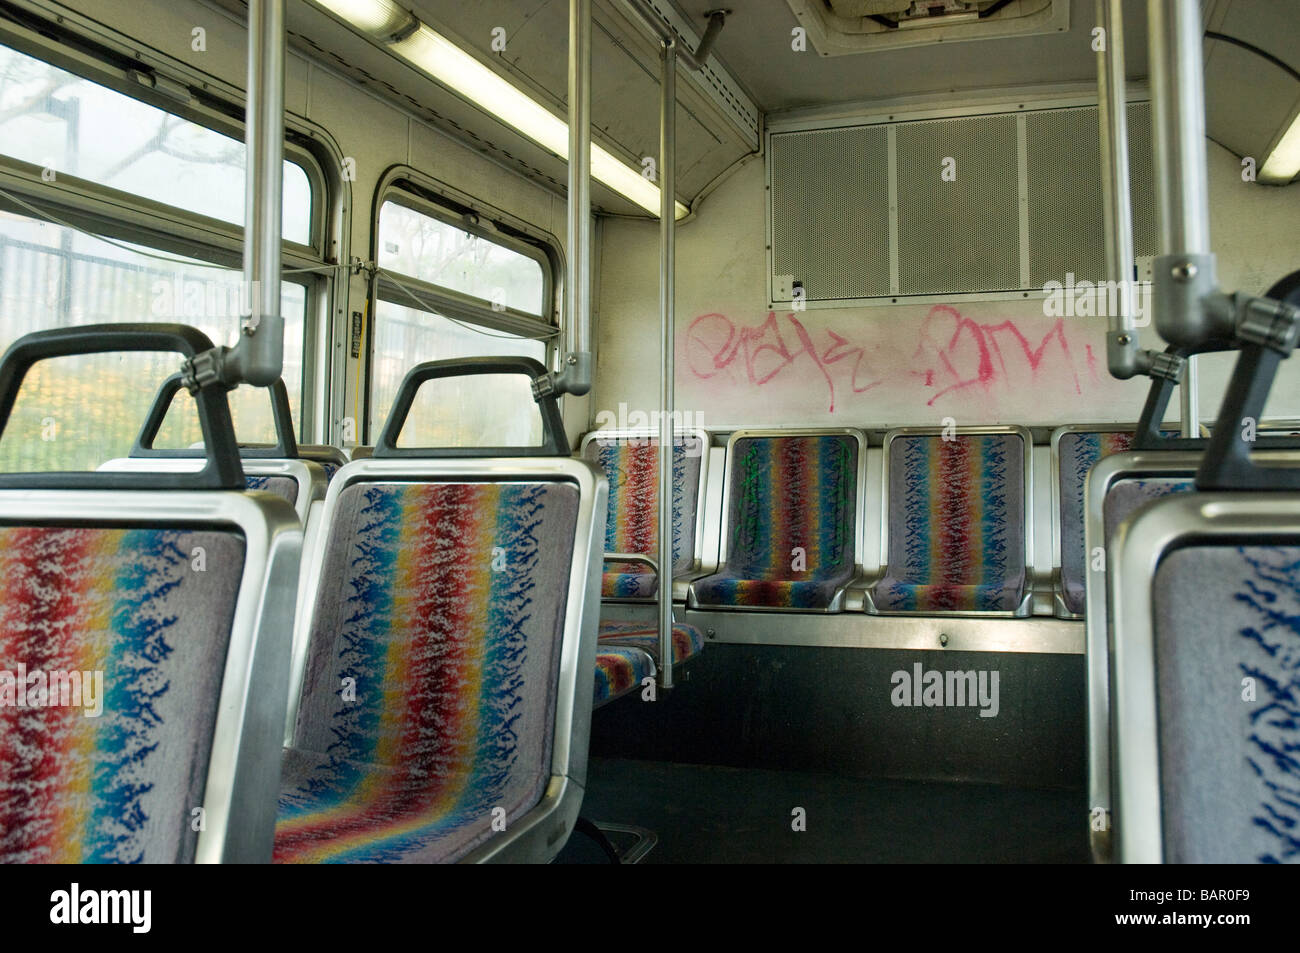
713,344
952,352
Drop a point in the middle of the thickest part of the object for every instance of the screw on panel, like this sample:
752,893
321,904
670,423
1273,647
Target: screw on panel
943,639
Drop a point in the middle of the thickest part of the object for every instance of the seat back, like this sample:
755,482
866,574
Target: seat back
300,483
441,692
1205,676
329,457
1075,450
630,461
956,518
1116,486
143,646
793,508
278,468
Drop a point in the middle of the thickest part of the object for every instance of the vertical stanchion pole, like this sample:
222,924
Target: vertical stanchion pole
1112,110
1182,190
667,267
577,325
260,354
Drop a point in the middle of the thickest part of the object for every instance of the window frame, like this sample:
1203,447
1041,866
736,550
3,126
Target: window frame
169,229
404,186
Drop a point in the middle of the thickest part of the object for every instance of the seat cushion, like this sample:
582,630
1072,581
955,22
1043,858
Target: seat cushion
626,580
729,589
429,692
687,639
902,596
956,524
1078,452
142,617
791,523
1228,701
619,670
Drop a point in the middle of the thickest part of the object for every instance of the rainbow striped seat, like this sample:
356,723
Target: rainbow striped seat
120,786
1078,452
620,669
687,639
791,523
427,709
956,524
632,524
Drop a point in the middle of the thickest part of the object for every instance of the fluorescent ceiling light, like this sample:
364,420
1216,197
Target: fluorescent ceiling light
464,74
1284,161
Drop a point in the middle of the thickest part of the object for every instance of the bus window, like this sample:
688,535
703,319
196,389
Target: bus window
67,124
488,289
429,249
405,337
52,276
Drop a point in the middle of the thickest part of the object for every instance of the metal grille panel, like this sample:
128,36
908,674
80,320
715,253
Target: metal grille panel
963,235
1066,210
1142,180
830,211
830,216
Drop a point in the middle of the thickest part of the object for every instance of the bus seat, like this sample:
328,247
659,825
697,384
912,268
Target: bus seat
792,510
284,487
279,468
300,483
1205,771
1117,485
1076,451
688,641
330,458
161,604
630,461
620,669
956,512
441,668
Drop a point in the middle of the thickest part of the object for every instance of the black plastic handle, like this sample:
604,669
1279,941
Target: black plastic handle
1227,464
222,471
1150,433
554,442
285,447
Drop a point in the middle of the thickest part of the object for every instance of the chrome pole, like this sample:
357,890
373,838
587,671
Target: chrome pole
575,376
259,356
1185,269
1112,110
667,268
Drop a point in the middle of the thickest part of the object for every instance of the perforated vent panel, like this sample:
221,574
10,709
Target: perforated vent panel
962,235
1066,223
1142,180
1066,211
830,211
831,218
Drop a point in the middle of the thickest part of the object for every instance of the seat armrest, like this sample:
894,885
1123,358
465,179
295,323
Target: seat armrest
634,558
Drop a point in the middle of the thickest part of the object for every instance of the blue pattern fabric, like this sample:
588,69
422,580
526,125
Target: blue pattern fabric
442,612
956,524
1077,453
1228,669
791,523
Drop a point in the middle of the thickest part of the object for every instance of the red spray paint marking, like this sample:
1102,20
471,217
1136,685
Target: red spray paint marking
970,354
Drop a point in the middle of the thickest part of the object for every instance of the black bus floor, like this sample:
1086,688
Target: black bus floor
711,814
